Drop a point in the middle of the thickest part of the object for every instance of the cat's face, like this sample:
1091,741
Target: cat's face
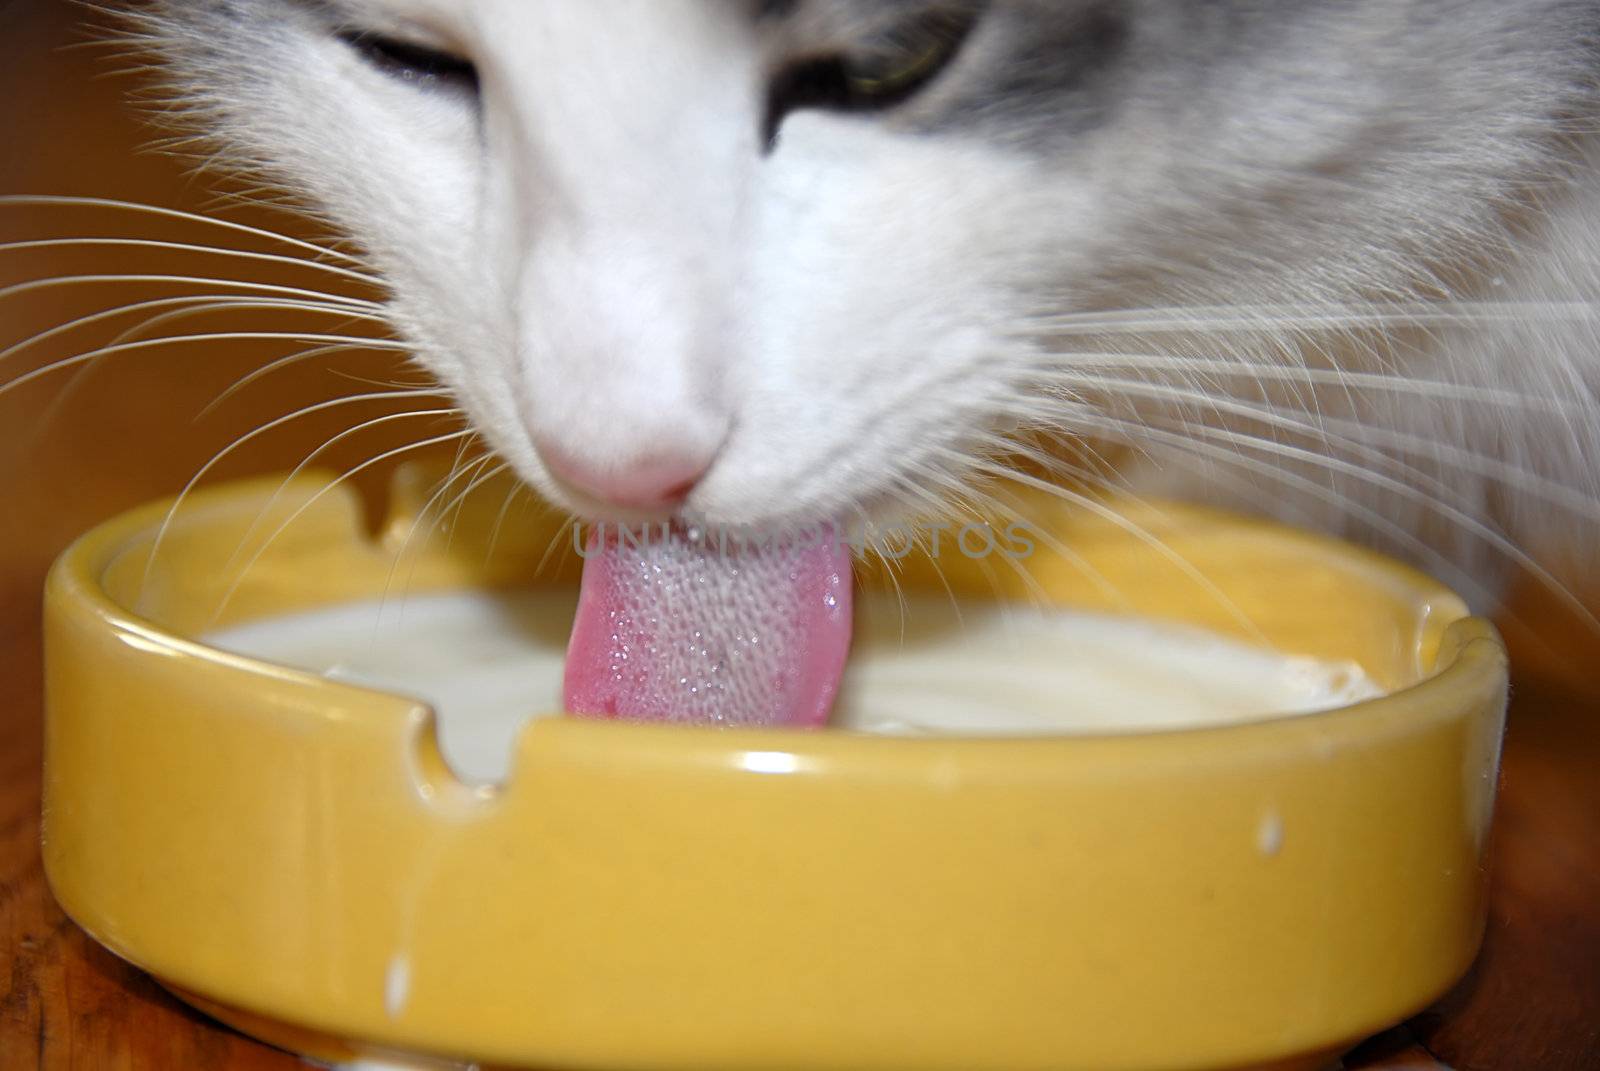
795,259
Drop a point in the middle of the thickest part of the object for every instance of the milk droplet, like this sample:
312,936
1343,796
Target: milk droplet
1269,834
396,985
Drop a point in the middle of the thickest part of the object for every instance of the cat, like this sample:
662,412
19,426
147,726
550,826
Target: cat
761,263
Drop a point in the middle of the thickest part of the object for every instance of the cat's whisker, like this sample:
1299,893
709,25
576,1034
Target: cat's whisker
1004,447
983,507
203,308
1245,490
921,502
517,487
348,319
1338,434
1187,438
425,382
953,485
191,304
1052,423
35,285
138,208
351,341
199,302
944,582
1008,508
470,474
339,480
1258,319
256,433
558,540
1337,465
460,458
1131,528
428,510
889,569
278,363
986,506
1442,566
304,463
189,247
1072,366
484,472
872,547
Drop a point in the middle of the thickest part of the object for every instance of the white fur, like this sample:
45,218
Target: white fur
603,257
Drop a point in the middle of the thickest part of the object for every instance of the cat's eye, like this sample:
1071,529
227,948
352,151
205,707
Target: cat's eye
879,74
420,65
882,75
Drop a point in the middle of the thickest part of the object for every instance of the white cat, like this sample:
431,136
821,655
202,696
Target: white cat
768,262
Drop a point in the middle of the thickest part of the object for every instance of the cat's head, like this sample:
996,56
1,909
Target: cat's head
791,259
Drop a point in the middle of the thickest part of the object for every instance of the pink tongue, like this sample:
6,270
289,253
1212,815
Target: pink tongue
670,628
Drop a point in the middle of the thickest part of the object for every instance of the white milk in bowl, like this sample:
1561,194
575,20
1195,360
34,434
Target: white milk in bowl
489,661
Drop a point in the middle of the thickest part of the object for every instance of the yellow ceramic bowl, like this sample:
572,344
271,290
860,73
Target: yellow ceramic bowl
292,855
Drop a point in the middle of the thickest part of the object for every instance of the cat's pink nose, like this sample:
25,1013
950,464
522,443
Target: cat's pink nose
657,481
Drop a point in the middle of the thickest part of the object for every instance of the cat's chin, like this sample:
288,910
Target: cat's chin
859,521
591,511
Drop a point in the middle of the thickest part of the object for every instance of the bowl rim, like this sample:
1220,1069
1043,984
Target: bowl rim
1471,655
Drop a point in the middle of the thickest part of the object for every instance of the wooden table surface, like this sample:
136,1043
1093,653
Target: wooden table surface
128,433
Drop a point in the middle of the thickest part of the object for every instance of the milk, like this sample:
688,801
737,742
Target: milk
488,662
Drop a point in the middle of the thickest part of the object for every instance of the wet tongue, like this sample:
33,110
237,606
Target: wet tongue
676,628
